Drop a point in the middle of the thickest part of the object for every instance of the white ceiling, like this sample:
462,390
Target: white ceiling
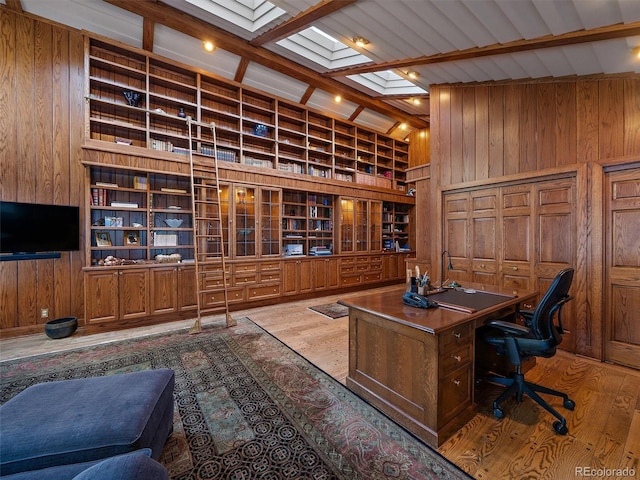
396,29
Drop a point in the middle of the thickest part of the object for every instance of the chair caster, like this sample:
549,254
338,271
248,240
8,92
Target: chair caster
560,428
569,404
498,413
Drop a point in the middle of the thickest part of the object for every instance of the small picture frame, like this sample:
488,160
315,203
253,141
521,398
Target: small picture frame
103,239
112,221
165,240
131,237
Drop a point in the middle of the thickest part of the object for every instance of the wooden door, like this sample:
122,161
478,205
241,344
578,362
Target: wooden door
517,238
101,296
187,296
484,236
622,268
456,240
164,292
556,242
133,289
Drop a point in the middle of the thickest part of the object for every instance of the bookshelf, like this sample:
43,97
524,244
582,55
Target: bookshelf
307,221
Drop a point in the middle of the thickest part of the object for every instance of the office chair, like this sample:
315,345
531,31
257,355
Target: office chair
537,338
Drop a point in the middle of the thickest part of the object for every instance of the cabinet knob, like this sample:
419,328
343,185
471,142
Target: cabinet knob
514,268
482,265
456,334
456,382
457,358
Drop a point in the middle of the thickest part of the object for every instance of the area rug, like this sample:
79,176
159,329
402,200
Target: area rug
249,407
331,310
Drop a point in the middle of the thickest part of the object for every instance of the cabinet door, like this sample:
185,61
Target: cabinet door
134,293
456,239
362,225
244,221
484,236
375,226
347,239
517,238
325,273
187,295
164,292
101,296
622,268
297,276
270,222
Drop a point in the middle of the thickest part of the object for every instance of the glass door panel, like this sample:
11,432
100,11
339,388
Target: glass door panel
362,234
346,225
375,226
270,222
245,221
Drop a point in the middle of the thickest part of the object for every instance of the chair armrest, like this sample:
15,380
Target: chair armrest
508,327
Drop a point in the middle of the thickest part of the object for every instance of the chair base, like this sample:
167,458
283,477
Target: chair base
518,386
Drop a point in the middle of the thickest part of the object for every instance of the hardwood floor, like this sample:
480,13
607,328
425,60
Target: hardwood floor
604,429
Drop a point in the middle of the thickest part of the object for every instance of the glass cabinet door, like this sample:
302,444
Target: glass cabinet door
362,226
270,222
375,226
244,221
346,225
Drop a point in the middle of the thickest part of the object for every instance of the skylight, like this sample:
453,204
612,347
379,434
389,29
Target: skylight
321,48
387,83
248,14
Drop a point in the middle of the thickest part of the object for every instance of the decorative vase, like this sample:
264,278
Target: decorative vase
133,98
181,113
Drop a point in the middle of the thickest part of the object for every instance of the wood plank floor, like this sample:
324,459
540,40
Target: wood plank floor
604,429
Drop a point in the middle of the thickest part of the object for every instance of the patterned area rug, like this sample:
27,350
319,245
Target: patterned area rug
248,407
331,310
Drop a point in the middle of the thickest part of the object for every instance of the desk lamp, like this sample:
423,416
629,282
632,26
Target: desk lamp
449,267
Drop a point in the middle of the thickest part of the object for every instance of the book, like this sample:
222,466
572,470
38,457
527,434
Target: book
124,204
106,184
173,190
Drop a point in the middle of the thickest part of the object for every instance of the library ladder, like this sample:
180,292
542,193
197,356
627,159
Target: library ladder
208,226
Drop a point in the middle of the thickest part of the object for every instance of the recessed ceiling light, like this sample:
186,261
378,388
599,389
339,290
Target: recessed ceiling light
360,41
413,75
337,98
636,52
208,46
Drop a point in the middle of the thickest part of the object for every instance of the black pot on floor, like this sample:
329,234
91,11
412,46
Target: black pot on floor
61,327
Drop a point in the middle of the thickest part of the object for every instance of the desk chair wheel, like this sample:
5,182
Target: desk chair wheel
560,428
498,413
569,404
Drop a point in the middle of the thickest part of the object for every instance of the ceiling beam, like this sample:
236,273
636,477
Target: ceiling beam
175,19
548,41
148,28
15,5
300,21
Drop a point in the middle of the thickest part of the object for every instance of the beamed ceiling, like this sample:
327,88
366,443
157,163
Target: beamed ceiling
269,45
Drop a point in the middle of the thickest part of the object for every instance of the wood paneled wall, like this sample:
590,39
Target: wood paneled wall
485,134
41,80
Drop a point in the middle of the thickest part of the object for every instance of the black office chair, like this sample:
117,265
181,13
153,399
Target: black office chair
538,338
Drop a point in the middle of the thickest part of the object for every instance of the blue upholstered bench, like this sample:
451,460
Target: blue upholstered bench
86,420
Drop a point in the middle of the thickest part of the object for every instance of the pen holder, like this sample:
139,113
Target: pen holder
422,290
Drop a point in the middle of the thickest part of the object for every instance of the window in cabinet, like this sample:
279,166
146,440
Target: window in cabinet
347,212
360,226
270,222
245,221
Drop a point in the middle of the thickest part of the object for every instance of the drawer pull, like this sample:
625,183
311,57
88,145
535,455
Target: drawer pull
456,382
514,268
457,358
456,334
482,265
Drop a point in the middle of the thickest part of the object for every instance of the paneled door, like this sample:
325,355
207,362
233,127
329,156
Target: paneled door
622,267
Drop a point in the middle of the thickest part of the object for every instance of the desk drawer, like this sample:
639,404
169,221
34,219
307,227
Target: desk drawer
267,266
455,393
351,280
372,277
269,277
265,291
456,359
454,338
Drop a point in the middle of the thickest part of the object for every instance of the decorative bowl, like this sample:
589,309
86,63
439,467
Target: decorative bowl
173,222
61,327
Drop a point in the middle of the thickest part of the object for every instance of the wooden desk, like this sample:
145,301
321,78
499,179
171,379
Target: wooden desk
416,365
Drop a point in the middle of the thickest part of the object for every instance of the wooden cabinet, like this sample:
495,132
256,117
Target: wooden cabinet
515,236
297,276
326,273
395,225
116,294
360,225
173,289
140,100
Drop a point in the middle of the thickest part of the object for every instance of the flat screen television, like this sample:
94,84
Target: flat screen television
34,227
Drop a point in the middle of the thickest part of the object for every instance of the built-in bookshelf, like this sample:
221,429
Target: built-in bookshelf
307,222
395,226
136,216
139,100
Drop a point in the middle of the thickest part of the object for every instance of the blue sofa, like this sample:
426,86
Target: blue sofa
72,428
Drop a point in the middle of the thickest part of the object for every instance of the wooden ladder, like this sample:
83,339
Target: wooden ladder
208,228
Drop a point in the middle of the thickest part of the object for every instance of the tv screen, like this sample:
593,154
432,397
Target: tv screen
33,227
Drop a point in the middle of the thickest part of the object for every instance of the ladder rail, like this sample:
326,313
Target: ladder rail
197,328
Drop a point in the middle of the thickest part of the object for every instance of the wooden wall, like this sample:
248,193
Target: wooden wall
485,134
41,77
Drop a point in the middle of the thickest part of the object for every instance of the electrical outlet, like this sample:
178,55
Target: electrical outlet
44,313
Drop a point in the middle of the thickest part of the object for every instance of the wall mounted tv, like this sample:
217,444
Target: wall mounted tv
28,230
